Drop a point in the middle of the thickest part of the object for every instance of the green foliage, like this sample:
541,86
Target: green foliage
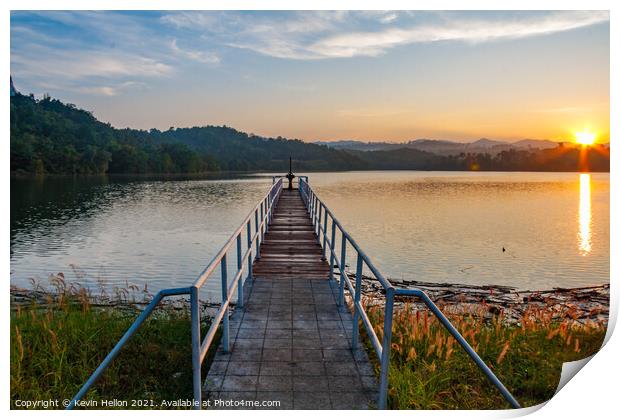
48,136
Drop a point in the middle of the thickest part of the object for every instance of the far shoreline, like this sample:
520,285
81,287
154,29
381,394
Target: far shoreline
28,175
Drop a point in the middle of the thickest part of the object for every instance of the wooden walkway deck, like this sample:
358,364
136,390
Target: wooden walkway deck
290,249
291,343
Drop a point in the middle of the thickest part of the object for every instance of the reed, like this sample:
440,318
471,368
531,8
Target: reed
57,342
429,370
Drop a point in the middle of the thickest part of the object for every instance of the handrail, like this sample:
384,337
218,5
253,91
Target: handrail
319,213
124,339
264,207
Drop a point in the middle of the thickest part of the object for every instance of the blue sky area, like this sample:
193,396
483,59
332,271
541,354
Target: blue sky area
376,75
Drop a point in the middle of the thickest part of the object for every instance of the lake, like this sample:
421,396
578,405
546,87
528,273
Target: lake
529,230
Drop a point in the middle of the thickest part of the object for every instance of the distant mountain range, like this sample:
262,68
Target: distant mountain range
443,147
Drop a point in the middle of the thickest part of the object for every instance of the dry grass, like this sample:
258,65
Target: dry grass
429,370
59,338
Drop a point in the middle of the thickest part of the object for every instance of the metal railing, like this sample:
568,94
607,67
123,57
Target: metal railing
320,215
261,215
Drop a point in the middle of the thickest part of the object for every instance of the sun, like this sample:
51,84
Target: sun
585,138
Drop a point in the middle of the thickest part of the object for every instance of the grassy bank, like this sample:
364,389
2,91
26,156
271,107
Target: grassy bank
56,346
429,370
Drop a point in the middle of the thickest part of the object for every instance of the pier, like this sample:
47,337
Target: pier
294,334
291,342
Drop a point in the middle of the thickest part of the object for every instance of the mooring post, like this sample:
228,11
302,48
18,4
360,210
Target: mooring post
290,176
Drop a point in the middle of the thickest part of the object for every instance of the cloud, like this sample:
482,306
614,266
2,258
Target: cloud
98,52
86,64
191,19
476,31
99,90
200,56
320,35
388,18
105,90
276,34
94,53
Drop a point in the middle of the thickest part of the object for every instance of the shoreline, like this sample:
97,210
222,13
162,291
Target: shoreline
581,304
27,175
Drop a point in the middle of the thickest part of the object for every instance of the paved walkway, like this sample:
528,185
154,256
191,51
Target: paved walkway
291,343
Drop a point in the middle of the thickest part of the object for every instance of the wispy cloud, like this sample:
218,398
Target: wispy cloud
200,56
475,31
84,66
95,53
282,34
112,90
319,35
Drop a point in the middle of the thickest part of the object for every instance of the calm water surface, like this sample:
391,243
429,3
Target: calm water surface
430,226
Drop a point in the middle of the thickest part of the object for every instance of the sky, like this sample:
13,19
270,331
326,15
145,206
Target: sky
326,75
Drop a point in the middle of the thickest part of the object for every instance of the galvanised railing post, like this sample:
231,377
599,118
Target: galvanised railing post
313,199
343,270
358,296
257,234
316,202
196,362
262,219
314,208
316,212
225,329
332,249
249,230
318,221
387,345
324,257
239,262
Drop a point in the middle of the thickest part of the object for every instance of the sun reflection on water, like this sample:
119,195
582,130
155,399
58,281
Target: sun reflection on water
585,215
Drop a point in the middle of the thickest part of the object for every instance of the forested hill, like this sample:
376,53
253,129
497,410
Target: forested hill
48,136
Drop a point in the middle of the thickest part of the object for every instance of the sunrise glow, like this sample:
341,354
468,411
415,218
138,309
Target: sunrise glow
585,138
